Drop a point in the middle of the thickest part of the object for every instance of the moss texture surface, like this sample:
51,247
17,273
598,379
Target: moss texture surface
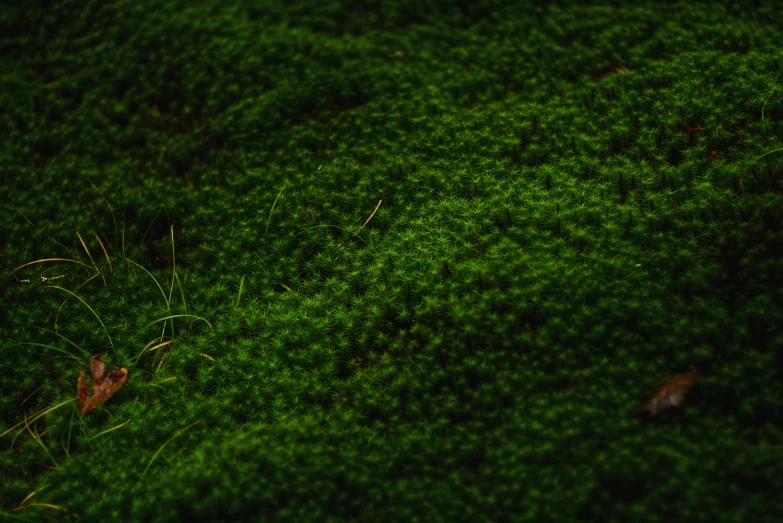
547,240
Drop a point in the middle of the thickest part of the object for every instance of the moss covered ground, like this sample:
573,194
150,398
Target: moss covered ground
392,261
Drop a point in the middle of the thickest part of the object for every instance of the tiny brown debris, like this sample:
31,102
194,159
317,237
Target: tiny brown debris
691,130
615,68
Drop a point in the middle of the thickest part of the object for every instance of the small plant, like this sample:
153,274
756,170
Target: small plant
104,383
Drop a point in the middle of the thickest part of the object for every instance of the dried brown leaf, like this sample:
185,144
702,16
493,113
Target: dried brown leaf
671,393
103,386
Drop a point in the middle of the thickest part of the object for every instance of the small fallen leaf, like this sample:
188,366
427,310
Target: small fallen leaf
670,393
103,386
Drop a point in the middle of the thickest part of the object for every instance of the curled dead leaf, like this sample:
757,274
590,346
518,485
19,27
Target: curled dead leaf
669,393
103,386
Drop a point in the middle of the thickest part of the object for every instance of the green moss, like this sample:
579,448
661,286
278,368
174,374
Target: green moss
548,245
